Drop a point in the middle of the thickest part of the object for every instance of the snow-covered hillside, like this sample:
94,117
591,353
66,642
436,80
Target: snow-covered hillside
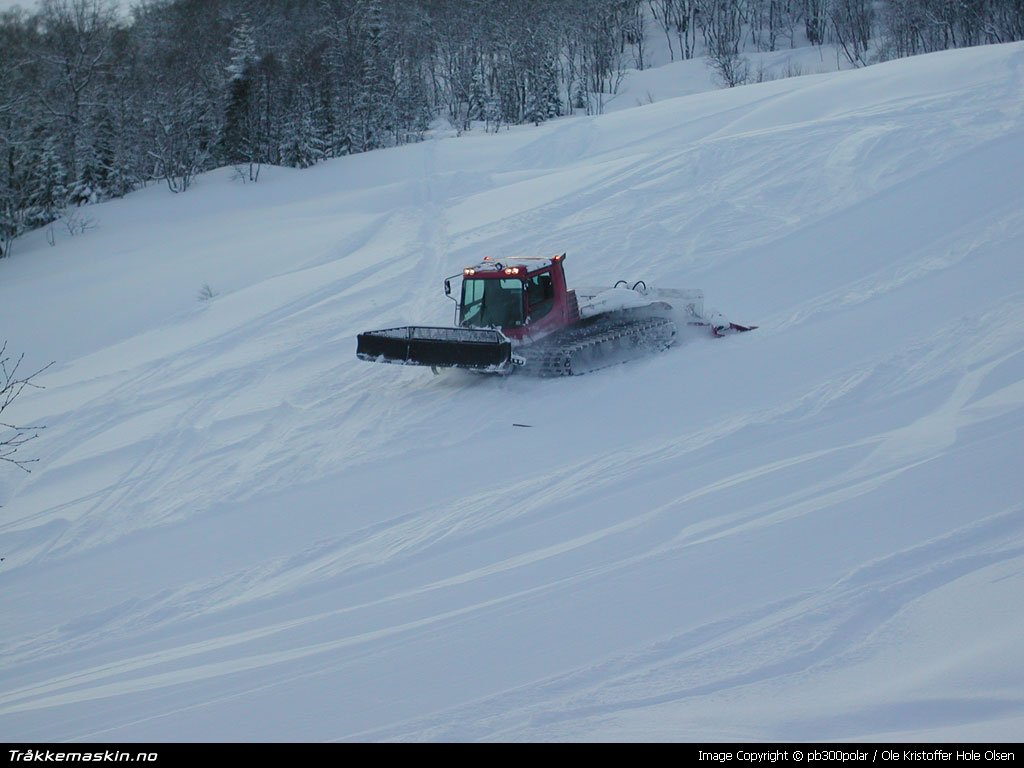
236,530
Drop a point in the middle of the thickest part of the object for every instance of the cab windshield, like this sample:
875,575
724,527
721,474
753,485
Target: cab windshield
492,303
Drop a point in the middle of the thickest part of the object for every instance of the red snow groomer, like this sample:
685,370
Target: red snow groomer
517,314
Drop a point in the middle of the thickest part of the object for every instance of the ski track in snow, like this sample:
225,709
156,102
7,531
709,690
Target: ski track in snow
238,531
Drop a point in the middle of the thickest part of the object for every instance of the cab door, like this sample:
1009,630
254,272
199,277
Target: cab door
543,307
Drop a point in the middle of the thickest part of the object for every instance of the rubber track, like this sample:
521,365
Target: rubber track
591,348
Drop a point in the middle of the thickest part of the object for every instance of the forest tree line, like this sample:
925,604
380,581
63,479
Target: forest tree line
95,103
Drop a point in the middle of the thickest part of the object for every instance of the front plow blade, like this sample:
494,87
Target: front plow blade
471,348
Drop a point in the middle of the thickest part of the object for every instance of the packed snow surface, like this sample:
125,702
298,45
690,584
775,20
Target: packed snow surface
236,530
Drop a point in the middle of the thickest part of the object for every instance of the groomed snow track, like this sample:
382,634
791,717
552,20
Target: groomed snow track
238,531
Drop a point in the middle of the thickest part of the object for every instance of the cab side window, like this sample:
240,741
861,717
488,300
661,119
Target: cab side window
541,294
